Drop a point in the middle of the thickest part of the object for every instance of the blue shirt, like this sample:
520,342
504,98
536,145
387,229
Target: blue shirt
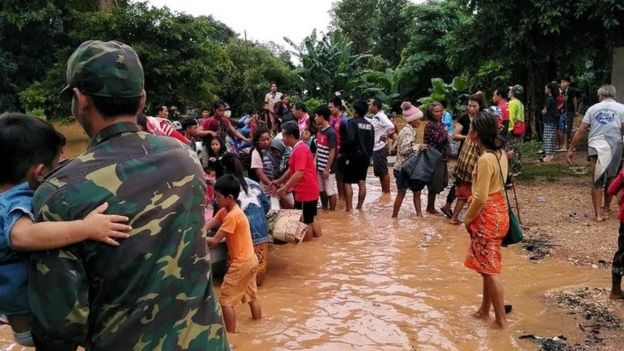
447,119
255,204
14,265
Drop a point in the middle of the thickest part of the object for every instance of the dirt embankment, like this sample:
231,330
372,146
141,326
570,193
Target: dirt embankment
559,223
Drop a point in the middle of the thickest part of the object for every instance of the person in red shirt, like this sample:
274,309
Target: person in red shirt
500,99
218,126
617,267
301,177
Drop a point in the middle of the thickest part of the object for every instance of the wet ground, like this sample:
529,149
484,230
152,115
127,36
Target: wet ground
374,283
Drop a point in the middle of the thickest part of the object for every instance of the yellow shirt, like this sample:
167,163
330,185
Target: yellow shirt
486,180
516,112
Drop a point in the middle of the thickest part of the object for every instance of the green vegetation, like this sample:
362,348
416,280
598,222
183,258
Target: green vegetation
394,49
550,171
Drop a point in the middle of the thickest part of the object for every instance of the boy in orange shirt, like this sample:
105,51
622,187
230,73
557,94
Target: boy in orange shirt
239,283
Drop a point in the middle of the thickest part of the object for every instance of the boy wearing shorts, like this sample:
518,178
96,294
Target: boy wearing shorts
301,177
326,146
30,149
358,150
239,283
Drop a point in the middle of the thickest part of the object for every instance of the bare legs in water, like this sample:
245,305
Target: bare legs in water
399,200
492,296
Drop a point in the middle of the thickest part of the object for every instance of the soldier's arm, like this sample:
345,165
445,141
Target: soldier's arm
29,236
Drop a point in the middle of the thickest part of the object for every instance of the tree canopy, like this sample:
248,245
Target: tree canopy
394,49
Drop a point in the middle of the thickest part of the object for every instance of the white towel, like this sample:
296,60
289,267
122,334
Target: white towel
604,152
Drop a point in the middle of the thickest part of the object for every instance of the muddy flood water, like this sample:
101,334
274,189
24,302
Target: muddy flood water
376,283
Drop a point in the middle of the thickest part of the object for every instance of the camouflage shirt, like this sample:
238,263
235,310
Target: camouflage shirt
154,291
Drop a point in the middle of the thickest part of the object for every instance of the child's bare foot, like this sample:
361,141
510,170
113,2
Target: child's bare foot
418,214
455,222
615,295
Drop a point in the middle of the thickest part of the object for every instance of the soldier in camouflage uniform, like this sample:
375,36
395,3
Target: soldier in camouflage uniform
154,291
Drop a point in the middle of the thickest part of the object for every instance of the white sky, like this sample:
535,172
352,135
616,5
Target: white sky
264,20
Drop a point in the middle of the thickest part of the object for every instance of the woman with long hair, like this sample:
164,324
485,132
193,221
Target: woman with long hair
487,217
436,136
468,155
255,204
551,118
261,168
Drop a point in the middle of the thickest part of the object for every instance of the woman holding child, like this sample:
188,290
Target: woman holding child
487,219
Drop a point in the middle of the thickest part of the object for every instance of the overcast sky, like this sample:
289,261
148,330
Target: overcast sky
263,20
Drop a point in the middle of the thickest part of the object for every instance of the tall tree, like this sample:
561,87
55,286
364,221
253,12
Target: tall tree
424,57
392,29
357,21
538,40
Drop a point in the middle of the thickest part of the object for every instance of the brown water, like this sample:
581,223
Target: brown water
374,283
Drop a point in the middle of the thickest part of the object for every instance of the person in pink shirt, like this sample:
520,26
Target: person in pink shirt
500,99
302,116
302,177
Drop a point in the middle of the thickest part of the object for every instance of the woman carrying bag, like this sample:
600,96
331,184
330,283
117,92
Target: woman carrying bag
406,148
487,217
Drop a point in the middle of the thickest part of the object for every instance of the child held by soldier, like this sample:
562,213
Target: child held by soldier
239,283
30,149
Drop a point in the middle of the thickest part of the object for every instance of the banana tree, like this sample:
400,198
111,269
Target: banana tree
327,65
384,85
447,93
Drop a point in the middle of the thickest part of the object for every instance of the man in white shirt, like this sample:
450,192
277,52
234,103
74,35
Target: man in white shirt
383,129
605,122
273,97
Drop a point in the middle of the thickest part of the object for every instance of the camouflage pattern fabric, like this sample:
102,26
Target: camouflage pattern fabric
154,291
108,69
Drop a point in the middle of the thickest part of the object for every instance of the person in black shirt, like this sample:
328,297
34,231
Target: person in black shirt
550,120
357,148
570,98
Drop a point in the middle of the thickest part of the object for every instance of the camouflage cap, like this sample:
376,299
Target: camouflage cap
108,69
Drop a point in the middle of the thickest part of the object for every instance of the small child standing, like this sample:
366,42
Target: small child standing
617,270
239,283
215,154
30,149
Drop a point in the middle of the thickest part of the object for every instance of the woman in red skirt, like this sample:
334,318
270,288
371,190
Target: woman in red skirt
487,219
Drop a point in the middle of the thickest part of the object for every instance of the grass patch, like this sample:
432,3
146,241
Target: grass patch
550,171
530,148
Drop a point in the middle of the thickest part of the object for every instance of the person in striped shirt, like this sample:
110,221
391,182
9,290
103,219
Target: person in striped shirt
326,145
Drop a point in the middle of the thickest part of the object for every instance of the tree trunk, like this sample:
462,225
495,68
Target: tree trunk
107,5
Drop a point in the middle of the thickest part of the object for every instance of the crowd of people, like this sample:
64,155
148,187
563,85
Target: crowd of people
176,188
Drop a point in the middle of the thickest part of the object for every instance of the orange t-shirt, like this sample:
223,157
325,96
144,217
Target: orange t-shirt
237,234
